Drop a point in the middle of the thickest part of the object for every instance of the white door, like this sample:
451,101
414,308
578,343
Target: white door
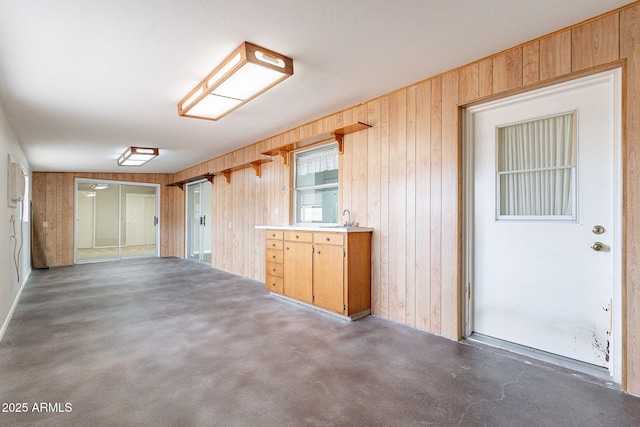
545,188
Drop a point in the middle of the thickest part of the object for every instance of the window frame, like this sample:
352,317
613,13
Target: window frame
296,189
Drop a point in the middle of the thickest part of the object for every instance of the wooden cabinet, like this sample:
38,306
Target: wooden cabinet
329,270
298,259
274,278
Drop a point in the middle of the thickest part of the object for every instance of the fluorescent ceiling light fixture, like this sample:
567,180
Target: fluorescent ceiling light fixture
137,156
100,186
249,71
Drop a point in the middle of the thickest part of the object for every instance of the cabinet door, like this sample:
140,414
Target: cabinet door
298,258
328,277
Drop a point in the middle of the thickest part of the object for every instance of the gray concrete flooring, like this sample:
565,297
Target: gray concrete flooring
169,342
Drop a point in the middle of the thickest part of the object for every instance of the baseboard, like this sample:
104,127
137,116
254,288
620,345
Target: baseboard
351,318
5,325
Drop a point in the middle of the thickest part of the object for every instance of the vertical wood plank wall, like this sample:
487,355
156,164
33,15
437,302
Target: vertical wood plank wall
53,202
403,178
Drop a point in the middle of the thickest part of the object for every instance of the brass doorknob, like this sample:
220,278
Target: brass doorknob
598,246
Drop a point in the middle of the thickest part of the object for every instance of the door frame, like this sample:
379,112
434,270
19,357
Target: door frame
468,203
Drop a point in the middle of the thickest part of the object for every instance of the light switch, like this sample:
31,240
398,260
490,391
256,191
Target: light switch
45,224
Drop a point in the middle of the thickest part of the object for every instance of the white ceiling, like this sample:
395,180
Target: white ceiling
81,80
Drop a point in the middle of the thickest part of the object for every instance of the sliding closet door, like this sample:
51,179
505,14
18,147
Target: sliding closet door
115,220
139,221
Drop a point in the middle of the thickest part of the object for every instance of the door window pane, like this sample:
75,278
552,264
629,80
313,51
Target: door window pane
536,169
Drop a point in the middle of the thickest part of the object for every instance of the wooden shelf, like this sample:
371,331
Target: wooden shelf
256,165
336,134
181,184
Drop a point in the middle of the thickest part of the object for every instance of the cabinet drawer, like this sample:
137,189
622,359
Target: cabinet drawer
274,256
298,236
274,284
274,244
275,269
329,238
274,234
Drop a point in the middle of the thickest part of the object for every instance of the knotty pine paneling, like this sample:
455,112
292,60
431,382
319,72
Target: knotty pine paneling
468,78
507,70
531,63
450,225
485,78
435,194
555,55
630,49
423,207
595,43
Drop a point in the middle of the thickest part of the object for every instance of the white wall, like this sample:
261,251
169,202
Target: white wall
10,287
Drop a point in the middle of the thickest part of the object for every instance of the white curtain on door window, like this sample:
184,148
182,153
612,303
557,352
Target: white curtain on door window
536,162
317,161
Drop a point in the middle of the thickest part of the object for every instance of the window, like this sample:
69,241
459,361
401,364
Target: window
316,185
536,169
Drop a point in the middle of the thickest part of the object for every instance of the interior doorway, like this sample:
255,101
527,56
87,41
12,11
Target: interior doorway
199,208
543,226
115,220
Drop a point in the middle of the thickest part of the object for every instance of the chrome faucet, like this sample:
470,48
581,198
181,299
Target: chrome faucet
348,222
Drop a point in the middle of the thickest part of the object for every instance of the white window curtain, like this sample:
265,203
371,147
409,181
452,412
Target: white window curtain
536,167
316,161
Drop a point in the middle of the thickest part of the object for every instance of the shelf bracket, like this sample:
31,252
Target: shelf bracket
256,167
209,177
227,176
340,138
285,156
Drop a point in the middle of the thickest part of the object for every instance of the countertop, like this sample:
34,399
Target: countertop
317,228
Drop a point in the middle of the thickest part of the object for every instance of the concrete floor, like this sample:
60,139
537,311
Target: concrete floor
168,342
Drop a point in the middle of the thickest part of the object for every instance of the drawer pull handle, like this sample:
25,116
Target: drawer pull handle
297,237
273,256
273,269
328,239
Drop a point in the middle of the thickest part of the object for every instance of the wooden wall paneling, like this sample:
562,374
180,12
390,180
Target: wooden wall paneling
217,225
410,222
39,203
485,77
373,196
595,43
468,89
630,49
51,219
359,156
555,55
346,178
451,215
284,191
423,206
436,206
68,221
530,63
507,70
385,173
397,204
